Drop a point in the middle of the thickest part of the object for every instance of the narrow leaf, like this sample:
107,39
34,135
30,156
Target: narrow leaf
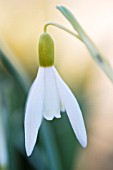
99,59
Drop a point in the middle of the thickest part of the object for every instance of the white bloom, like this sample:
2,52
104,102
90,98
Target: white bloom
47,97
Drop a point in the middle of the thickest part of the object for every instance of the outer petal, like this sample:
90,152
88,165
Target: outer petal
73,110
51,95
34,109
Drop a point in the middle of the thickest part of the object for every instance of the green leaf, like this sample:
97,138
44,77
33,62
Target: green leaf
50,145
3,168
97,56
13,67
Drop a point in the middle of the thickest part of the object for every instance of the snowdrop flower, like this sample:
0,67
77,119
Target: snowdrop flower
48,96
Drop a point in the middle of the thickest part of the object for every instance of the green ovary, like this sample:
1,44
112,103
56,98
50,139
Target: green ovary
46,50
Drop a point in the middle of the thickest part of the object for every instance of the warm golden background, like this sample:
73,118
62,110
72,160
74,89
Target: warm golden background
21,23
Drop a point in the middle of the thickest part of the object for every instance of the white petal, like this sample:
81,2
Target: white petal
73,110
34,109
51,96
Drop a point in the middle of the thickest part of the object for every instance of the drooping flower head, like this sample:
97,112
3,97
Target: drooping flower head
48,96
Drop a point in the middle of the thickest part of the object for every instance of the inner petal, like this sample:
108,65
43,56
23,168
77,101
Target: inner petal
51,96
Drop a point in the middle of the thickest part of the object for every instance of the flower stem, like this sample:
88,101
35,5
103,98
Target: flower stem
61,27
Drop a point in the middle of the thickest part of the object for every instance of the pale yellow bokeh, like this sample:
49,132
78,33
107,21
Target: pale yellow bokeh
21,23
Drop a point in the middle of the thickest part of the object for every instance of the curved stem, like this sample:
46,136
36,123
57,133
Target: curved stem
63,28
97,56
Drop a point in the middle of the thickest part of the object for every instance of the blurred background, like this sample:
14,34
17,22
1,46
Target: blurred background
21,23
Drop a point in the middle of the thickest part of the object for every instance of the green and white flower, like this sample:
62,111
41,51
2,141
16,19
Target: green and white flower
48,96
